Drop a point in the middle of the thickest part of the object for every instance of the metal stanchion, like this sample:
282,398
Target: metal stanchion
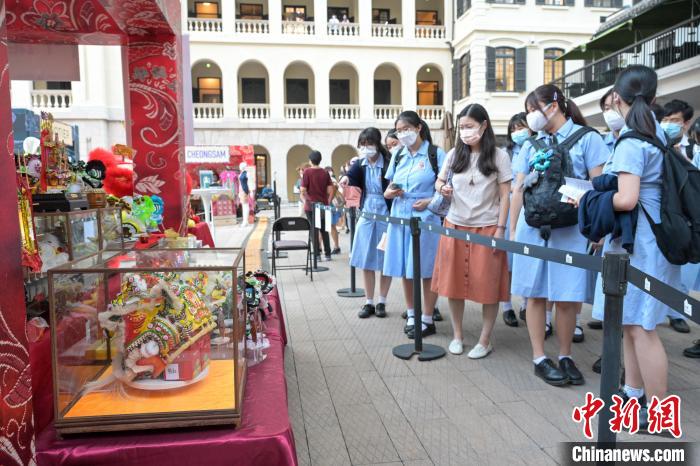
614,277
424,352
352,292
315,241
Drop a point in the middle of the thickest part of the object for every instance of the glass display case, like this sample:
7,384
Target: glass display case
66,236
146,339
111,235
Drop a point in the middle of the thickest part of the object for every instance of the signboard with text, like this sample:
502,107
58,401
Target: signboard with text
207,154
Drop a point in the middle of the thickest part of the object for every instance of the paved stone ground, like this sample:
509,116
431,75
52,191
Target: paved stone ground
352,402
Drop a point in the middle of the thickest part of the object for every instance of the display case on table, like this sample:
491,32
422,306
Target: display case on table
111,232
146,339
66,236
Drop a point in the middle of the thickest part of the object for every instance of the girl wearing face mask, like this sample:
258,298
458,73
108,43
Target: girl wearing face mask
613,120
392,142
555,118
518,133
479,188
412,177
367,173
638,167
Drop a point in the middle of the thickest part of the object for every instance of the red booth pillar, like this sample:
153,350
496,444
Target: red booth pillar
16,428
154,121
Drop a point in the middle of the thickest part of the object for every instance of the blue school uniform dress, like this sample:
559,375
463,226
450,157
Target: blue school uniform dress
368,232
535,278
515,163
646,161
417,179
610,140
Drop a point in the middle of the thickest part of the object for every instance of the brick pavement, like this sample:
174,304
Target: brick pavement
352,402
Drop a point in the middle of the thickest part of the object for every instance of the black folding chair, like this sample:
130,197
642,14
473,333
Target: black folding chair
291,224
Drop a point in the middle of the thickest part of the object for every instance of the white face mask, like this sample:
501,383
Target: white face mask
614,120
368,152
537,120
470,136
407,138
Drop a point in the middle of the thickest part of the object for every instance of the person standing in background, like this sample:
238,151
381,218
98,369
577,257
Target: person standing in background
337,202
244,193
317,187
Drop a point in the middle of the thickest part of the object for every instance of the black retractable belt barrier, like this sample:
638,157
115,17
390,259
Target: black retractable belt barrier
406,351
353,291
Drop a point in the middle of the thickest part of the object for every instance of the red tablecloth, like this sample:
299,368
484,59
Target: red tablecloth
264,437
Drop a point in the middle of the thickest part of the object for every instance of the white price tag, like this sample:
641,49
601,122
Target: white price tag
172,372
329,220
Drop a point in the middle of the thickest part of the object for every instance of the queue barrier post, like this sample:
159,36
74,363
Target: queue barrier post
614,276
315,240
424,352
353,291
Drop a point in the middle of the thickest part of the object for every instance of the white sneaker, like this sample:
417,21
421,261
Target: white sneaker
456,347
479,351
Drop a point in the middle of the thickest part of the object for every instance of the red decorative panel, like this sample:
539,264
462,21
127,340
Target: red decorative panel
16,429
155,104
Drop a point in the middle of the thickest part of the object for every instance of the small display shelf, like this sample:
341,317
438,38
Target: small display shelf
146,339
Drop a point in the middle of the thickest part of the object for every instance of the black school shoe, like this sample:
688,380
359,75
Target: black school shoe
380,310
578,338
437,317
595,324
522,314
404,315
693,351
366,311
597,365
679,325
547,331
550,373
509,318
569,368
427,331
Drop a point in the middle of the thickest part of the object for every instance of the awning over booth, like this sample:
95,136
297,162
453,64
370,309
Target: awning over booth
632,24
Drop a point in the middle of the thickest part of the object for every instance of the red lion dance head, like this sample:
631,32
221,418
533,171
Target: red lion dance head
119,180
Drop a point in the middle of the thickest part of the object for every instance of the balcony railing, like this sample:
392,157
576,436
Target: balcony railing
299,27
387,30
666,48
345,112
253,111
431,112
387,112
252,26
204,25
299,111
208,111
430,32
51,98
603,3
344,29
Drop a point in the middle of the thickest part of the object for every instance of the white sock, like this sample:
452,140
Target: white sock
426,319
549,318
578,330
370,302
565,356
411,313
507,306
633,392
578,320
539,360
382,300
411,321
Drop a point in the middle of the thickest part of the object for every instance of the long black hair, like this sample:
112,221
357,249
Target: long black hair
519,119
549,93
413,119
373,137
636,86
462,155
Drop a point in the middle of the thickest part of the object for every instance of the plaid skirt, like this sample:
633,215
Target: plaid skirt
470,271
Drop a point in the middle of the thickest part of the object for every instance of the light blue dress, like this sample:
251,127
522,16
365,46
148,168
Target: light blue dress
368,232
515,164
610,140
646,161
535,278
417,178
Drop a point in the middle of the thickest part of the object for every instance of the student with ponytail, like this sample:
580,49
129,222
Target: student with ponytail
559,124
638,167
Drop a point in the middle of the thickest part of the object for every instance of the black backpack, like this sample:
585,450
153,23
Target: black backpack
432,156
678,234
542,199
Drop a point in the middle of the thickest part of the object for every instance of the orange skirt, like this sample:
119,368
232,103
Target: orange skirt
470,271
